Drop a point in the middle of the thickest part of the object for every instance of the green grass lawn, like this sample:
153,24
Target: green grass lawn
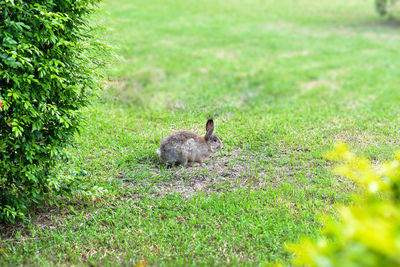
283,80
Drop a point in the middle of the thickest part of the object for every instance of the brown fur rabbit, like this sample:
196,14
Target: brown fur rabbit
185,146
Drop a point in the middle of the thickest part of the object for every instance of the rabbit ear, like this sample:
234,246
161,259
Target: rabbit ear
209,128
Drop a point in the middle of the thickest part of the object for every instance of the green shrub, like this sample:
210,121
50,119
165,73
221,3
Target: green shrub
368,232
389,8
49,68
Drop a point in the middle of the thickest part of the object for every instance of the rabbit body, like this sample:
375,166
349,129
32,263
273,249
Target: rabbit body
183,146
186,146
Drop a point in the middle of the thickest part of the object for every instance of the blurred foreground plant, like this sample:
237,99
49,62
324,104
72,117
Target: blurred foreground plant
367,232
390,8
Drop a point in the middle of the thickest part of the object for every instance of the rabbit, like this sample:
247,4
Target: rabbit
185,146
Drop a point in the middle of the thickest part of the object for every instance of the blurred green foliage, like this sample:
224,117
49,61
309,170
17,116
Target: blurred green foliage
390,8
368,232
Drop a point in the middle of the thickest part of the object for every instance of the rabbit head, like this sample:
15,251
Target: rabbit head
212,140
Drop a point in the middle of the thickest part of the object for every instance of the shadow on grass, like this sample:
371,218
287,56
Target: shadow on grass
377,25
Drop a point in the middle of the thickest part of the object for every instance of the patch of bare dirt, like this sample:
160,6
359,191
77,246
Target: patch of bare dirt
114,84
220,173
42,219
291,54
368,31
310,85
356,102
364,139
